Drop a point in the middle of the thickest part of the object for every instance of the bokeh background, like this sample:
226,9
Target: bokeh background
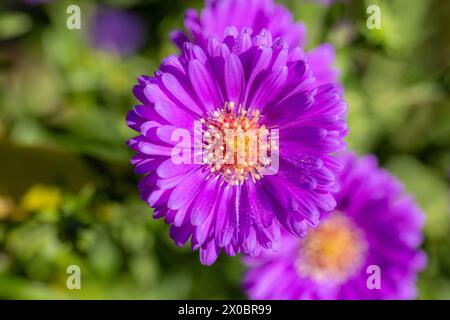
68,194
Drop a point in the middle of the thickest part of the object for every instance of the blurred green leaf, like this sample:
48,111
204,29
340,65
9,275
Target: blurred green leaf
431,192
13,24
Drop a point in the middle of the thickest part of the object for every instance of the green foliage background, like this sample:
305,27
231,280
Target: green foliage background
68,194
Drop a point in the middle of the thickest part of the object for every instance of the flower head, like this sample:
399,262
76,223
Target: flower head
260,131
258,15
375,225
36,2
117,31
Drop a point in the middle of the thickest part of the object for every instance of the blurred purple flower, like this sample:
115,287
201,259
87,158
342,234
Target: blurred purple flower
116,31
33,2
247,81
257,15
375,223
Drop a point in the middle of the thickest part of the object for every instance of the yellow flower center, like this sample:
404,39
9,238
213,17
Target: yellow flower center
235,145
332,252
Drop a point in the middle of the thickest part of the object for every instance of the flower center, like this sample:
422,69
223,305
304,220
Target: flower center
235,145
332,252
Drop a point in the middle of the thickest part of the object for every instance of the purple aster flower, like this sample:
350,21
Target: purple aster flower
258,15
243,190
375,224
116,31
34,2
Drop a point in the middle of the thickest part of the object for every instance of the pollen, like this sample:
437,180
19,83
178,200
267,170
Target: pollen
235,145
332,252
